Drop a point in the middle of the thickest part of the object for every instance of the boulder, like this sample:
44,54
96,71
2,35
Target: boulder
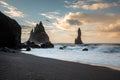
78,39
10,32
47,45
32,44
63,47
28,49
85,49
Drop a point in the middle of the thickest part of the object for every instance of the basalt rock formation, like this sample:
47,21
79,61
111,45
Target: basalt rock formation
47,45
38,34
10,32
78,39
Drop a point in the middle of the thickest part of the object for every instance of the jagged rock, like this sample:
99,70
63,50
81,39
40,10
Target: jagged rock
47,45
78,39
38,34
10,32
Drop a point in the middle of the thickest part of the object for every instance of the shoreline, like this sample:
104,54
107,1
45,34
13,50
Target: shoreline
99,65
107,66
29,67
102,65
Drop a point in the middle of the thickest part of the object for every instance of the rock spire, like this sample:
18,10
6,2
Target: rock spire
78,39
38,34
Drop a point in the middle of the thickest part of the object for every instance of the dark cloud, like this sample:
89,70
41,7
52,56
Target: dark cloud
74,22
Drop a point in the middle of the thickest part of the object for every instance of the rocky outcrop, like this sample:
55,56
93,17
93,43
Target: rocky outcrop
47,45
38,34
32,44
78,39
10,32
29,44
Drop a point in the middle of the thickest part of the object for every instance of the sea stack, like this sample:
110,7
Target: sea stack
10,32
38,34
78,39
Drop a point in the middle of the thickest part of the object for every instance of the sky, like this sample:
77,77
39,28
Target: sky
99,20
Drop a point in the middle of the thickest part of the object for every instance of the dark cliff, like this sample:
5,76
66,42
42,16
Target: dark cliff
10,32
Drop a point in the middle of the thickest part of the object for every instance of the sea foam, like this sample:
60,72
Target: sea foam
97,54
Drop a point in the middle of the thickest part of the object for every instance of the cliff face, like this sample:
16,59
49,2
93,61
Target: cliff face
78,39
10,32
38,34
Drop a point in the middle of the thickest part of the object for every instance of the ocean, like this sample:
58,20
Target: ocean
97,54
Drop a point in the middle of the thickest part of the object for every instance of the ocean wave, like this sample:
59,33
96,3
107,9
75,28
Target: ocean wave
96,48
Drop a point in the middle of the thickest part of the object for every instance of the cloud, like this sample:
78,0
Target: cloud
67,2
26,29
30,23
57,23
86,18
113,27
91,4
25,34
102,26
101,22
12,11
94,0
50,15
54,13
97,6
74,22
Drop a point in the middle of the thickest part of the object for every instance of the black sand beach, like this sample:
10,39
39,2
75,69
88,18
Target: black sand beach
20,66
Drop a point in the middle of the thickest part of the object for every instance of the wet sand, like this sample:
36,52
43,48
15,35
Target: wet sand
20,66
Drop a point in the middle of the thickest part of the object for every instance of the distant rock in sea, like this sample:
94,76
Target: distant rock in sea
78,39
10,32
85,49
38,34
